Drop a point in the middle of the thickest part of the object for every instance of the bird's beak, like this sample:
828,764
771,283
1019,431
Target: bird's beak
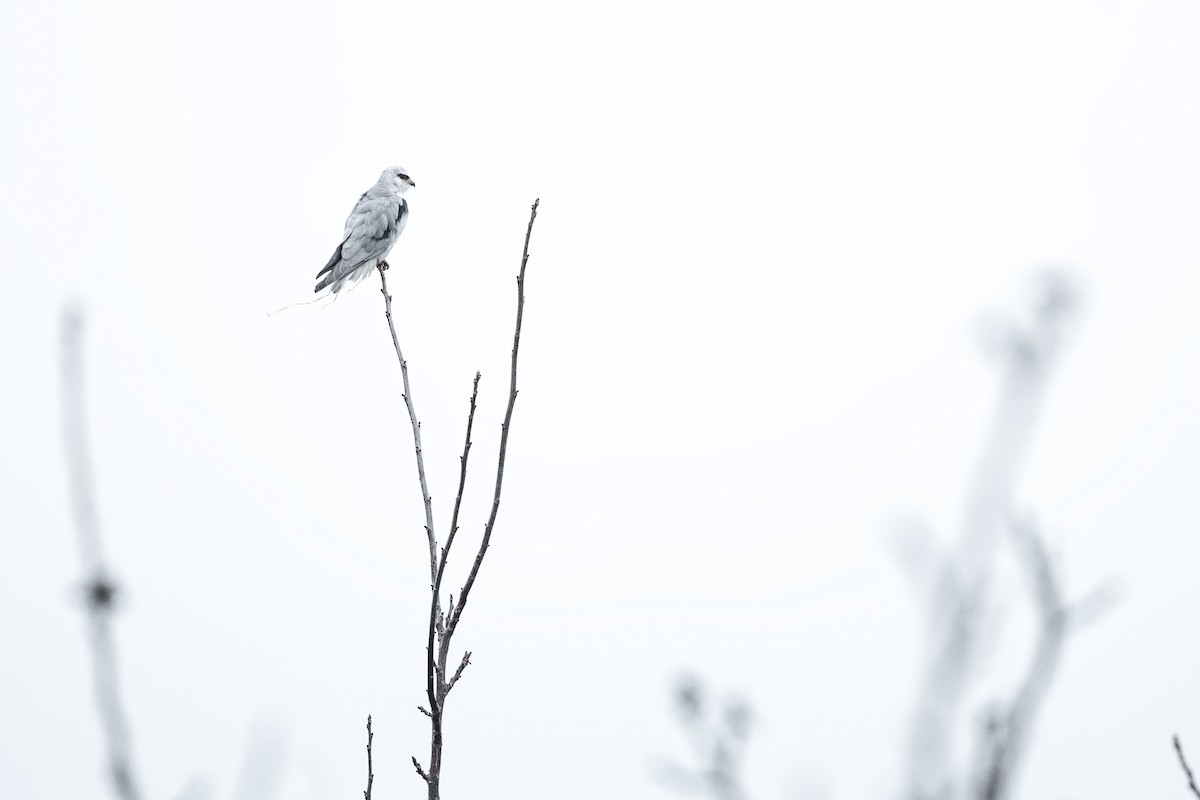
412,183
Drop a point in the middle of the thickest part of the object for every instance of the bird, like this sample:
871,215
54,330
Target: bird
371,232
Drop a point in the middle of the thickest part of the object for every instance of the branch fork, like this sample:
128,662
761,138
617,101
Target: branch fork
442,625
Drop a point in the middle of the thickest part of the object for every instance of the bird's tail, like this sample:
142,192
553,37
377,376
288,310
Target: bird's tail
332,298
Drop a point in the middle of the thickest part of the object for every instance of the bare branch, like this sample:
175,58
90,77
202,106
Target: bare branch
370,768
718,744
462,481
466,659
433,687
964,587
441,626
504,430
1009,731
1186,769
100,590
416,426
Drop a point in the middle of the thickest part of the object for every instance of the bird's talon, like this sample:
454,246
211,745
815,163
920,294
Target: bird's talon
383,265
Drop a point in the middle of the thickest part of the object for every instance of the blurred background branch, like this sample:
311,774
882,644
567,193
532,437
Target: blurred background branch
1186,769
100,590
260,775
961,592
717,738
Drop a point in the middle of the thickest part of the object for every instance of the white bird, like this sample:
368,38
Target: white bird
371,231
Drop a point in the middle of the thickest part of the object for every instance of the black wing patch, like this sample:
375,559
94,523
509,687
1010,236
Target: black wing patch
337,256
327,271
401,213
389,229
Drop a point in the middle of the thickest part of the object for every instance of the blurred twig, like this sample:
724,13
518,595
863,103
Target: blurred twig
1007,732
719,745
1186,769
100,589
964,585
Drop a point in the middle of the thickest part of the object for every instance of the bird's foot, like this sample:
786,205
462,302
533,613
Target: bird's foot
383,265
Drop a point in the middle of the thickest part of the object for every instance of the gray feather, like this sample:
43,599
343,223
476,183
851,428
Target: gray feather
371,232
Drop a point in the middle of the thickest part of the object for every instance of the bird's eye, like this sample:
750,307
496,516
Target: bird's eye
402,177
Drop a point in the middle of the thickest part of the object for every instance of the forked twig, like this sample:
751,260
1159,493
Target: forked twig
967,572
441,627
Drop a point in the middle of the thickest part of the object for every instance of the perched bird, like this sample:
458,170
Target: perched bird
371,231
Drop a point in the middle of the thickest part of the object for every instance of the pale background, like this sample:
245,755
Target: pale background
767,234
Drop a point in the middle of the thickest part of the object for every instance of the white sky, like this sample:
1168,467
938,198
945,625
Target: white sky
767,234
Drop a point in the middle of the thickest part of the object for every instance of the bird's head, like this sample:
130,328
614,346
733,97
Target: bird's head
397,178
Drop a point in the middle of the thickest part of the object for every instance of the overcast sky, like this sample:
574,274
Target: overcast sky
767,237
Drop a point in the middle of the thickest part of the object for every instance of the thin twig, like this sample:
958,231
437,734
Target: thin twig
435,663
466,659
433,685
504,430
424,775
101,591
1186,769
416,426
370,768
462,481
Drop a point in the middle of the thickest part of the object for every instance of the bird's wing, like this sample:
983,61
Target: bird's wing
335,259
371,230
